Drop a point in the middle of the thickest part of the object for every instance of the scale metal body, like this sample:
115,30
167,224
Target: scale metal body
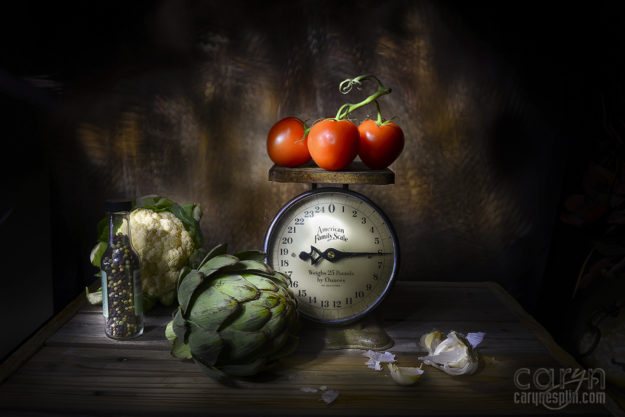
339,249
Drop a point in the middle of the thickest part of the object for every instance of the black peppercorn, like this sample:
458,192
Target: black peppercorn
121,280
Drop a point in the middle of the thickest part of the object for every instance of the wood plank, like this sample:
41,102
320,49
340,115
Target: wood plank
564,358
80,370
87,330
28,348
90,380
539,331
423,301
354,173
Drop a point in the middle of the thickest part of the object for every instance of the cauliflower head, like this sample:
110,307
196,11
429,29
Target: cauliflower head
164,247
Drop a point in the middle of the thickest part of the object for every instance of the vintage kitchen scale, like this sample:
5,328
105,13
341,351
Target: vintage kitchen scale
339,249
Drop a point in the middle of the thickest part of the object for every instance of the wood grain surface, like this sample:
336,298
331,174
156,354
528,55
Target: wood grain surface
78,370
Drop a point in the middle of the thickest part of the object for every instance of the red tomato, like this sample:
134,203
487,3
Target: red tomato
380,145
333,144
284,144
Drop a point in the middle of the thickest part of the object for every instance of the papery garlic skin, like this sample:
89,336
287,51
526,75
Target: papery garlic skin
475,338
329,396
377,358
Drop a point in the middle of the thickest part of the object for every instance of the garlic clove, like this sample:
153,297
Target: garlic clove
404,375
431,340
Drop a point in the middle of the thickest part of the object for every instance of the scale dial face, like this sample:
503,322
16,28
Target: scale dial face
340,251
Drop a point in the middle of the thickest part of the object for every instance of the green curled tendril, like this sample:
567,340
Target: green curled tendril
346,86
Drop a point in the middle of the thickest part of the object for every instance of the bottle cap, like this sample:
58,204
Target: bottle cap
113,206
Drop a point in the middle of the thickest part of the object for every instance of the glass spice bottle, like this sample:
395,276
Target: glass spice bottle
121,277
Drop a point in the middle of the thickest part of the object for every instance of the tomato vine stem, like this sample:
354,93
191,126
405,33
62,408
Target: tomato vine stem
347,85
378,122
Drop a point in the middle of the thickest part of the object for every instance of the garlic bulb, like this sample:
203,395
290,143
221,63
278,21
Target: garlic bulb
456,355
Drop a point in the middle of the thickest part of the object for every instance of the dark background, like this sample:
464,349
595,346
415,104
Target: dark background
503,104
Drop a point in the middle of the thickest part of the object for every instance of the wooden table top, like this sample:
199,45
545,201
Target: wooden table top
71,367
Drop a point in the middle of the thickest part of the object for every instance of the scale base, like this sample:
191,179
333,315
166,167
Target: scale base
363,334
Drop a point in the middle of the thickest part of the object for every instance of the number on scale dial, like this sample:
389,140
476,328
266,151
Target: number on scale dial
339,250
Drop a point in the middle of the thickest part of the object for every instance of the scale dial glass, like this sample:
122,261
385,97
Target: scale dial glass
340,251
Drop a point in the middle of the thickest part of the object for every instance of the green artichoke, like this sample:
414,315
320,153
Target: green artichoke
236,316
